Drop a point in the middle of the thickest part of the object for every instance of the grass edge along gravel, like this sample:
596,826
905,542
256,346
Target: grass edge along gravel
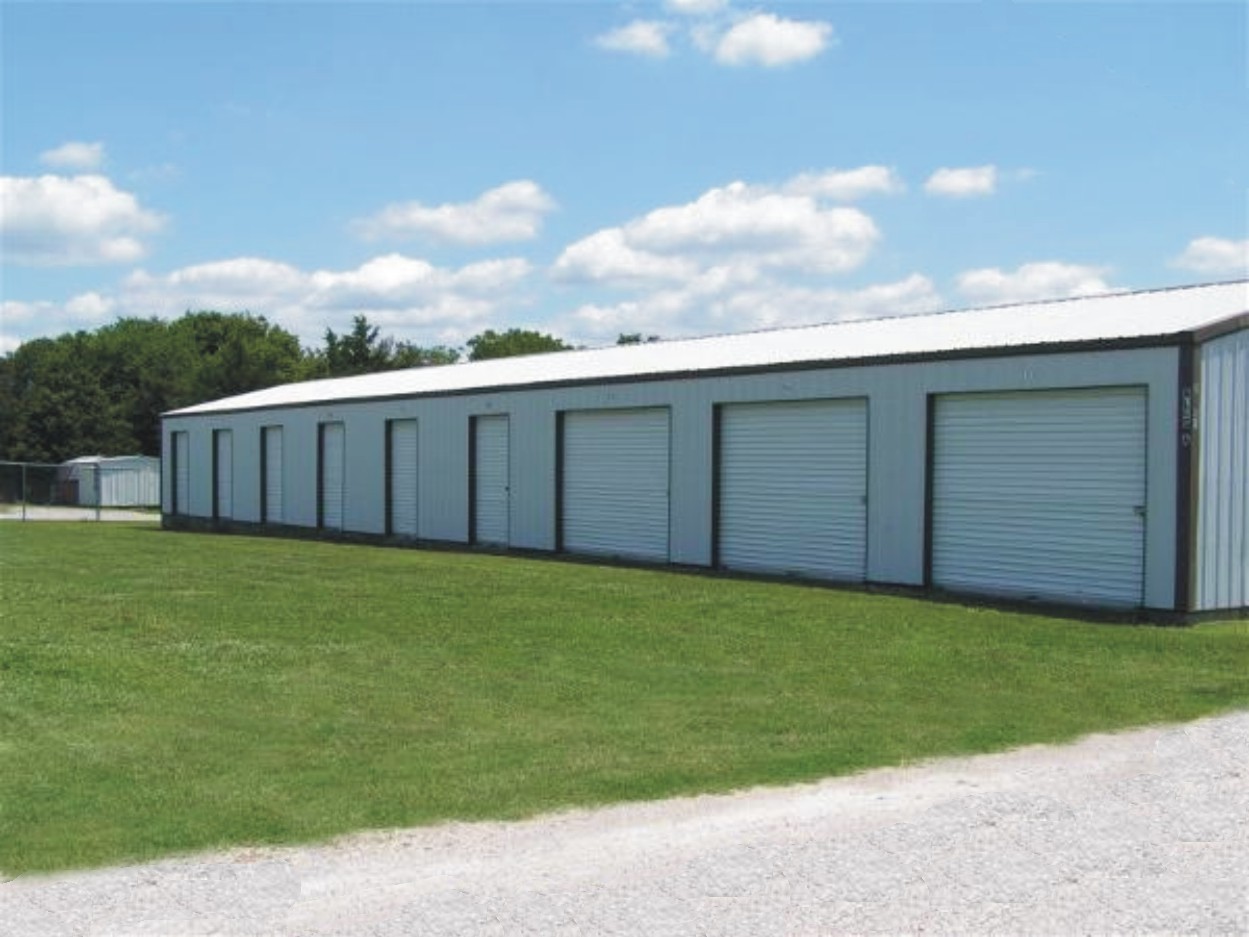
162,693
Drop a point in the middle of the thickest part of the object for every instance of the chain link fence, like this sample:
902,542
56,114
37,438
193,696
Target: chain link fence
92,488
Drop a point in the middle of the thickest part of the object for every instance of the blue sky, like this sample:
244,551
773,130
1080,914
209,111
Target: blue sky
674,168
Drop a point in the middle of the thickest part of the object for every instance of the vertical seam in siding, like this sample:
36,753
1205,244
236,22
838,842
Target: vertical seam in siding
472,479
264,474
388,497
559,481
1185,452
320,476
717,411
930,459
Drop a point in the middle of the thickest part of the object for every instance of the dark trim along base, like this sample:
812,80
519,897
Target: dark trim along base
182,522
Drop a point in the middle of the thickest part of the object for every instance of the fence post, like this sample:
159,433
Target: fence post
23,491
99,491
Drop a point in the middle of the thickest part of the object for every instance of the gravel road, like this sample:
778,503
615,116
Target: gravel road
1146,831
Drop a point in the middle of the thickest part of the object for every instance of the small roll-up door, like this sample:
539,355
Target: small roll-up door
403,501
793,487
491,480
223,473
333,455
273,474
615,482
181,472
1041,494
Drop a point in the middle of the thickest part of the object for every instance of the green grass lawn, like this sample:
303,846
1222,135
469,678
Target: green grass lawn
165,692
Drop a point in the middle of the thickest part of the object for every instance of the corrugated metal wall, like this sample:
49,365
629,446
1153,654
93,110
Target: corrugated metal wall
793,487
1222,554
1041,494
617,465
897,403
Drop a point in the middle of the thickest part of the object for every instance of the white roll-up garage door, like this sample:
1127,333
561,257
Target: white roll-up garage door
491,480
793,487
1041,494
403,502
181,473
333,455
273,474
223,442
615,482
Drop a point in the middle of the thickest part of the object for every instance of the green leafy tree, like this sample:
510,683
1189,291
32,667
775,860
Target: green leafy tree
635,338
237,353
492,344
363,350
61,407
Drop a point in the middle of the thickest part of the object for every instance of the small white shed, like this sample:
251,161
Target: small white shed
112,481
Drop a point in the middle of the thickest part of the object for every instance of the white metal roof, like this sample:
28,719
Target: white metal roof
1107,318
110,459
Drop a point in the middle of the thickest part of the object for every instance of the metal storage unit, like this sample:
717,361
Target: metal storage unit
491,482
1040,494
1222,554
792,487
1178,350
223,474
402,478
181,472
615,480
271,456
112,481
331,482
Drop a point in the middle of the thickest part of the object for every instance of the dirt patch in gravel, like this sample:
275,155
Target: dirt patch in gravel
1146,831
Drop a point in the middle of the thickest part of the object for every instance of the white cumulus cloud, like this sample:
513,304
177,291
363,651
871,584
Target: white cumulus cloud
19,319
846,185
739,256
695,7
69,220
771,41
1033,281
964,182
641,37
718,302
74,155
1215,256
511,212
409,297
748,228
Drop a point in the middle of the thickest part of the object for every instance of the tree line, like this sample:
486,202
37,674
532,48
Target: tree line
102,392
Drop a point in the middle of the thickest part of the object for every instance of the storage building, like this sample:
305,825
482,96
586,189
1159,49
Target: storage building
1088,451
111,481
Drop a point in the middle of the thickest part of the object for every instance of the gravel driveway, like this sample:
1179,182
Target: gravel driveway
1145,831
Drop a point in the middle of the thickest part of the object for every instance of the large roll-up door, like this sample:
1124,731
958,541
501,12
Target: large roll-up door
491,480
615,482
273,475
223,473
793,487
403,502
333,455
181,473
1041,494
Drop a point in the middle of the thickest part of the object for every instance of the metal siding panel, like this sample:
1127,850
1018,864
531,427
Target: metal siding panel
616,478
403,477
274,513
333,456
1222,554
793,486
492,485
182,470
1040,494
223,440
